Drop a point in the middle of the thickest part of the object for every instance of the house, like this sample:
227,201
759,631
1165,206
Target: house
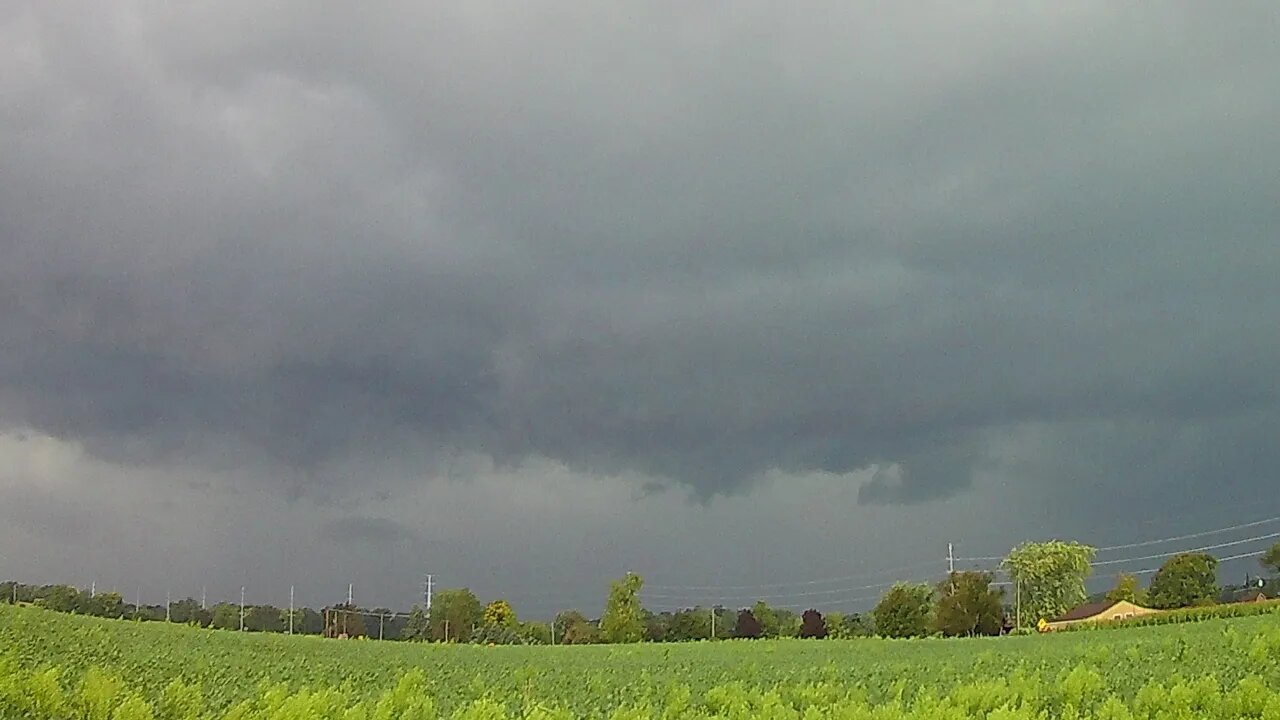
1254,596
1096,612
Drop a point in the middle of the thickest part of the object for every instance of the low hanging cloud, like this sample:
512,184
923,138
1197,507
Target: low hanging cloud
661,244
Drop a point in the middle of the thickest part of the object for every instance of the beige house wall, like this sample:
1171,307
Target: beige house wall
1120,611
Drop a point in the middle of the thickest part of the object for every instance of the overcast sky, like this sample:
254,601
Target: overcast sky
528,295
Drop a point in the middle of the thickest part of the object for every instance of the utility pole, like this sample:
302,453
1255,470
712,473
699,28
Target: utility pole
427,596
168,604
381,616
951,567
290,609
241,608
137,601
713,623
350,590
202,599
1017,613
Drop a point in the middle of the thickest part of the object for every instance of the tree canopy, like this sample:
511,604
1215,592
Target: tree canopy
1271,558
454,613
904,611
623,619
1127,590
1050,577
747,626
1185,580
499,612
813,625
968,605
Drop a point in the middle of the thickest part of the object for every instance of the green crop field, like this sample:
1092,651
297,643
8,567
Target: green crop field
62,666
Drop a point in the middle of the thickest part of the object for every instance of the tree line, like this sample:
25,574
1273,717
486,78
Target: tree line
1047,578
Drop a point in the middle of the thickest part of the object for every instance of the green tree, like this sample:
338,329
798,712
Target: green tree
1050,577
107,605
497,634
690,624
263,618
788,623
534,633
768,619
1271,559
904,611
623,619
968,605
1126,590
60,598
578,630
566,621
226,616
454,614
1185,580
416,628
499,612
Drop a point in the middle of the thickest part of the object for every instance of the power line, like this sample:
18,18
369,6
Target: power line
1233,543
1159,541
1243,526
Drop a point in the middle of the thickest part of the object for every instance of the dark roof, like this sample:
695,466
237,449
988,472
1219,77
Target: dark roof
1084,611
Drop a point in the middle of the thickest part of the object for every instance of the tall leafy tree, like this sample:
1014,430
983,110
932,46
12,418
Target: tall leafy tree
226,616
576,629
1185,580
107,605
904,611
1271,559
1049,577
968,605
1126,590
768,619
623,619
564,622
416,629
499,612
747,626
813,625
61,598
454,615
264,618
690,624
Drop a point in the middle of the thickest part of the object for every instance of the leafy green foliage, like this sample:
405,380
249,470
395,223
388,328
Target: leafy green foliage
623,619
1271,559
1185,580
499,612
454,614
1050,576
904,611
769,626
64,666
1127,590
416,628
968,605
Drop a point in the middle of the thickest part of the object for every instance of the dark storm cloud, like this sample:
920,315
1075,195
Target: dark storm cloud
375,531
660,243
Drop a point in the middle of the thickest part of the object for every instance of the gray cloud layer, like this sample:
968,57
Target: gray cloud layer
693,246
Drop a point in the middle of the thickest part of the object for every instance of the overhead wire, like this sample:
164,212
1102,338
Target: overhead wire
714,594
